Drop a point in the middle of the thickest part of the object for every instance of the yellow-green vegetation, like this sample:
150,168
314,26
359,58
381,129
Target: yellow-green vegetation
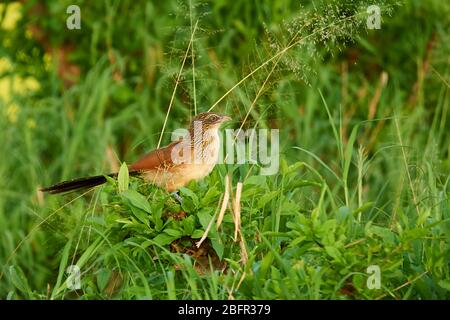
364,164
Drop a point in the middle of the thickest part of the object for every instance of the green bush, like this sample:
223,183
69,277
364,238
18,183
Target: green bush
364,176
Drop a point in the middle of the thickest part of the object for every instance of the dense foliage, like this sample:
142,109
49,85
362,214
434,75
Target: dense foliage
364,136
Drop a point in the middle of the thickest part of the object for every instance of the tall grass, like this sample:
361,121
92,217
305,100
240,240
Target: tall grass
364,167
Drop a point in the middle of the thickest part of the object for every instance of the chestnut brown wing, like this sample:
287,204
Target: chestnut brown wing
159,158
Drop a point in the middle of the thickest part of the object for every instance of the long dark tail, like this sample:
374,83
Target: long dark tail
81,183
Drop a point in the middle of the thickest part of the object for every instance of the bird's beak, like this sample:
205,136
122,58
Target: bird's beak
226,118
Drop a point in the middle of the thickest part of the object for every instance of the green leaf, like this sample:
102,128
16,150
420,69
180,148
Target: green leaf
258,180
191,195
123,178
110,180
124,221
266,198
333,252
364,207
19,280
342,214
87,254
211,195
218,246
387,235
62,266
444,284
293,168
252,192
103,276
164,239
198,233
188,225
136,199
141,215
349,151
204,218
298,183
157,211
266,262
173,232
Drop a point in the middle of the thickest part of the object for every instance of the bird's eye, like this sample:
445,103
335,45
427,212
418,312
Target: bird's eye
213,118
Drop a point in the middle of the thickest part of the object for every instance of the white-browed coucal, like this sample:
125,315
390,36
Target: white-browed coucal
171,167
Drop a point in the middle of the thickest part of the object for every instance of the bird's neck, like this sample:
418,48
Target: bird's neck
204,142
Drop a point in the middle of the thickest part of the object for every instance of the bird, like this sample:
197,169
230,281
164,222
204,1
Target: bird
192,157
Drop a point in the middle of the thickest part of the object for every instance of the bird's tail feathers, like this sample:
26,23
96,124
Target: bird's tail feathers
80,183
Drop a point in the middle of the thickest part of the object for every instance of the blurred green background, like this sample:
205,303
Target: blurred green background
367,111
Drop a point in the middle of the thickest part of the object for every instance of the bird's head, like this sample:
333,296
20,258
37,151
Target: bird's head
210,120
